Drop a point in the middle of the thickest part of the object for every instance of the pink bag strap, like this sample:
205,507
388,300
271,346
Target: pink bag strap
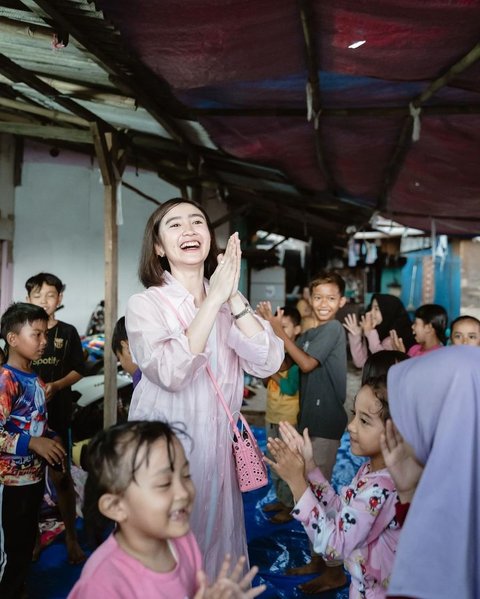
209,371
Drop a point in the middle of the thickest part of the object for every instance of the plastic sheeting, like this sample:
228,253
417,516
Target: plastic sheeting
245,54
277,547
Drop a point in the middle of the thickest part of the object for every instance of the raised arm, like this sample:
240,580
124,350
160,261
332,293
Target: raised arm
305,362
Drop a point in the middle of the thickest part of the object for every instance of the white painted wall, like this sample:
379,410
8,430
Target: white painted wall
59,229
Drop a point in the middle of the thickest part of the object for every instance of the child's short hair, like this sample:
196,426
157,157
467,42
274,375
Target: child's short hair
463,318
44,278
328,277
119,335
379,387
378,364
293,314
435,315
18,315
113,458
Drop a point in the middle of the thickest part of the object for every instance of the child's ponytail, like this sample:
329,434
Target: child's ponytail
435,315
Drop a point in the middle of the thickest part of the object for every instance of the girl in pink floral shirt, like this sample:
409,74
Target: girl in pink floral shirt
357,525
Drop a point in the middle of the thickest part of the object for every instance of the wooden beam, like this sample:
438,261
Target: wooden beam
405,137
240,211
393,111
150,90
110,158
14,27
141,193
395,213
310,48
102,152
111,302
17,73
53,115
47,132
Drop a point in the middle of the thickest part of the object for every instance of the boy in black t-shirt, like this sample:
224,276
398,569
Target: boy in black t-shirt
61,366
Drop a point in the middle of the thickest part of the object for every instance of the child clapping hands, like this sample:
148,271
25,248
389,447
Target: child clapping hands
358,524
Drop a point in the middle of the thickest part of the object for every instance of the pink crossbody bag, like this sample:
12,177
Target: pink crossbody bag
250,466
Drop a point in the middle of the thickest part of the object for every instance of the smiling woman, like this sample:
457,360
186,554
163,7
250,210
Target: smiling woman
178,257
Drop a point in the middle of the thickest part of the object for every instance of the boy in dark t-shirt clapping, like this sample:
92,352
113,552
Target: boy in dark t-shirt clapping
60,367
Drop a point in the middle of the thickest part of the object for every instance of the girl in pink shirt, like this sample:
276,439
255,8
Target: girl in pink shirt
429,329
139,478
358,524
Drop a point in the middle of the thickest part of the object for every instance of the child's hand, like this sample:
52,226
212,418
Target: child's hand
397,342
50,390
264,309
49,449
366,322
229,586
352,325
299,443
289,465
401,462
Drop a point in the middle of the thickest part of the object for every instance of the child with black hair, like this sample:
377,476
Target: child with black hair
139,478
358,524
465,330
26,443
429,329
121,349
378,364
61,366
283,404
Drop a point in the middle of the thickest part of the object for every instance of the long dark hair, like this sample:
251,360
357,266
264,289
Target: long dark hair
394,316
152,266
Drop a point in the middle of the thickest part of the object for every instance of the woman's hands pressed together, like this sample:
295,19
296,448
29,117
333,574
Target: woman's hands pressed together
224,281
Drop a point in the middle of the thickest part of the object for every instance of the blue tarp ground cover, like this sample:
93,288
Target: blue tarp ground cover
272,547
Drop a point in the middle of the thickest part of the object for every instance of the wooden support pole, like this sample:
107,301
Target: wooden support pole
111,302
7,215
111,159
